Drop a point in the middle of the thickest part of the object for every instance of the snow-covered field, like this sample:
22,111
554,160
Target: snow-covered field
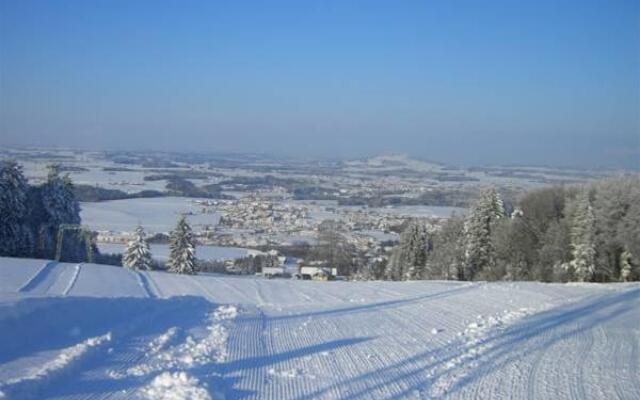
93,332
159,214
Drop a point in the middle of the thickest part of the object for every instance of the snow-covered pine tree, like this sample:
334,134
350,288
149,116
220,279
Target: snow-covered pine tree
15,236
182,256
479,249
627,269
59,206
495,204
583,246
58,198
393,269
137,254
409,258
413,250
446,253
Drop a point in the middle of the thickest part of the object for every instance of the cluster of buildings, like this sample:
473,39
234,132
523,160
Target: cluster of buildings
263,215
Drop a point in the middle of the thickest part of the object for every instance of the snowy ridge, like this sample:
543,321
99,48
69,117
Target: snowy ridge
67,361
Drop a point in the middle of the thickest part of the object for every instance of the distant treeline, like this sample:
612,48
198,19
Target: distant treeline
174,187
587,233
94,193
42,221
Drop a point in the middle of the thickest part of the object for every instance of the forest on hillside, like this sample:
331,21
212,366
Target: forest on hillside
588,233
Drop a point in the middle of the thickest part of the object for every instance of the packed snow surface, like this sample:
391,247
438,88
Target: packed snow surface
88,331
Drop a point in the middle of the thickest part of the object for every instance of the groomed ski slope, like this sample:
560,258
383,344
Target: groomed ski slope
85,331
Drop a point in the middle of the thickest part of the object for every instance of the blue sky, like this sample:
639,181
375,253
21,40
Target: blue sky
477,82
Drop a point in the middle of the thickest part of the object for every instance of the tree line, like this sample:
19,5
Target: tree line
33,217
43,221
586,233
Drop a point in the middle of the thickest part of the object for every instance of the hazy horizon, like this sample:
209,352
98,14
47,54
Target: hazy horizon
465,84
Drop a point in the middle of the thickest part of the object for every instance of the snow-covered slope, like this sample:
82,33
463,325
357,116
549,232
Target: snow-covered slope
92,332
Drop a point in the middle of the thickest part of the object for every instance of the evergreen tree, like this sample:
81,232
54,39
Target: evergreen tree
627,270
613,202
182,256
479,248
58,198
375,269
553,252
57,205
137,254
446,258
15,237
334,247
628,225
583,249
411,259
495,205
394,269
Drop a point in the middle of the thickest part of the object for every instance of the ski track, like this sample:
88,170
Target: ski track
534,372
343,340
143,282
39,277
634,364
73,280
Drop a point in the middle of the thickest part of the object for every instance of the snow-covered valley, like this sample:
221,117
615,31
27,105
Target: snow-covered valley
91,332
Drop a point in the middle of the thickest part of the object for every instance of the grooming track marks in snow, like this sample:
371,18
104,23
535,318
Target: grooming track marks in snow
125,335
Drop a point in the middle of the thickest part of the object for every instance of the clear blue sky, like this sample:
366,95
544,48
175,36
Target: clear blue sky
477,82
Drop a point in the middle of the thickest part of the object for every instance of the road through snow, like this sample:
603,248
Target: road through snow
96,332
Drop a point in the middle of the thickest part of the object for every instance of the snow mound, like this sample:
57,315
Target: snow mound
162,341
176,386
192,352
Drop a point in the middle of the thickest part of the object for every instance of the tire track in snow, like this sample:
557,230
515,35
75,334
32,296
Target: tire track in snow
380,380
576,390
202,287
535,369
39,277
152,283
228,285
319,295
247,342
261,300
143,282
73,280
634,364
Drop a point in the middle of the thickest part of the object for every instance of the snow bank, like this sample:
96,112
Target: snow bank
195,351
